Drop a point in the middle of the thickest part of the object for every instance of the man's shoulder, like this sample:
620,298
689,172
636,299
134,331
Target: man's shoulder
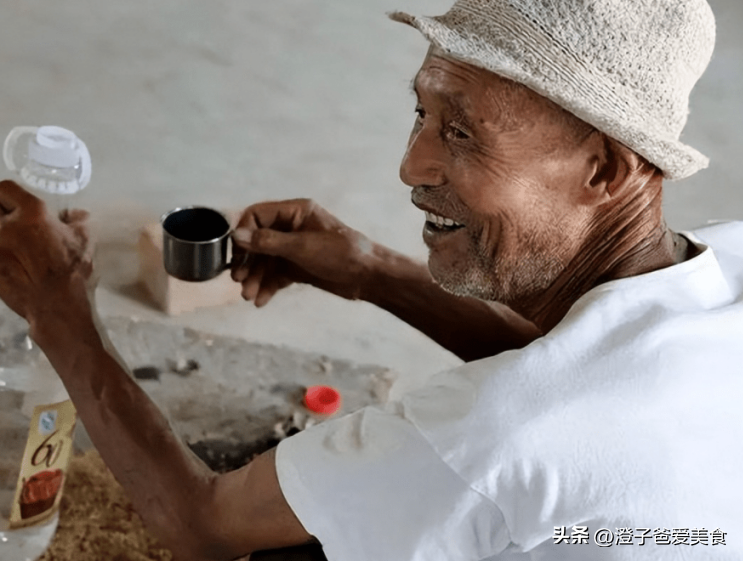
726,241
721,236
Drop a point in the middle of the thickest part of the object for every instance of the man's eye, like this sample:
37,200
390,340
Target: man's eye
421,113
458,133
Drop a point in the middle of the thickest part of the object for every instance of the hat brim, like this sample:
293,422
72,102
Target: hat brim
675,159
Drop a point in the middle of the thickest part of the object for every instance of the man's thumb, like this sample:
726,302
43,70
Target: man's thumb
242,237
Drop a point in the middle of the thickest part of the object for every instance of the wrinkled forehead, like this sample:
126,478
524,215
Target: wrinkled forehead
435,52
440,71
466,84
489,98
486,75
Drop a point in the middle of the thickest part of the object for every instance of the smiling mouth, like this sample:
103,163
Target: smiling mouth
441,223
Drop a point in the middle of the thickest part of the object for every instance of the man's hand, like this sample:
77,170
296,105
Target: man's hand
45,272
45,261
298,241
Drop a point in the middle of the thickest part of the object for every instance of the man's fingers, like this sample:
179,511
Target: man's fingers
272,242
263,282
12,275
13,196
11,267
266,292
242,236
71,216
242,261
277,215
240,274
246,221
252,284
270,286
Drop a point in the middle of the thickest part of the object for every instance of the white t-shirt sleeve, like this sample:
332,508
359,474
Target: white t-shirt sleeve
368,486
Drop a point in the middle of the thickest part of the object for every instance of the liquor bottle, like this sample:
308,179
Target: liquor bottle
37,420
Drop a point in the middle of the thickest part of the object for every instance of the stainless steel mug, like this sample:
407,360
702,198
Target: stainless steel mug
195,243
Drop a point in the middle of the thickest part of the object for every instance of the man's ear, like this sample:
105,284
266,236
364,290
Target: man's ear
615,170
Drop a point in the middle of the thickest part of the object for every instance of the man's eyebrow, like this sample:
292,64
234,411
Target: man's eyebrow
413,86
454,101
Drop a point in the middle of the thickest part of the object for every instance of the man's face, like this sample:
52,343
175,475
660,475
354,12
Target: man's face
496,169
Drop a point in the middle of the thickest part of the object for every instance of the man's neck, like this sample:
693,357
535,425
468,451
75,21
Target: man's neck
627,240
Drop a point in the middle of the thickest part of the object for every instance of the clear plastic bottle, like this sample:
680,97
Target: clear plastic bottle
36,425
37,418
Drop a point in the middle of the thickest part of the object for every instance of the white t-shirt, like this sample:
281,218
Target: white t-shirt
627,416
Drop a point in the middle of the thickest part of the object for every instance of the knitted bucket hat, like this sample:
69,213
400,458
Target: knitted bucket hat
627,67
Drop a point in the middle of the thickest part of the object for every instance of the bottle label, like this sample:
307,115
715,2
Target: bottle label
44,465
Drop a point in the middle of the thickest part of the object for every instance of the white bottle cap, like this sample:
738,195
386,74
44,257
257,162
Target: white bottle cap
56,148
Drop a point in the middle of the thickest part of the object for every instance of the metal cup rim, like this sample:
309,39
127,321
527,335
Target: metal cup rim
165,216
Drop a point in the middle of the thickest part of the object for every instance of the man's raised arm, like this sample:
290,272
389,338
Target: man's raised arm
44,277
298,241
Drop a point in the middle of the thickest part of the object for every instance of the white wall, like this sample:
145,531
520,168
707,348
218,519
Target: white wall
229,102
715,128
224,102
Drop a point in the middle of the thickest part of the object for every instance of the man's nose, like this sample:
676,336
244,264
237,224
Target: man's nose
423,163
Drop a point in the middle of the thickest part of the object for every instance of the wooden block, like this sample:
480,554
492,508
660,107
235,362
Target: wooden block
175,296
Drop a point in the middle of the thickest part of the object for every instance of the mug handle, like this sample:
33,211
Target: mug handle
239,261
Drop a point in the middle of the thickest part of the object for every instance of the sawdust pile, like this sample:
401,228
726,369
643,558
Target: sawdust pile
97,521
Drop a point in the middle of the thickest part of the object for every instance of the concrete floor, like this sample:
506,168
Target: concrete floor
228,103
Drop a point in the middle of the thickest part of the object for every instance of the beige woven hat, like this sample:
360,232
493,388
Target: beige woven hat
627,67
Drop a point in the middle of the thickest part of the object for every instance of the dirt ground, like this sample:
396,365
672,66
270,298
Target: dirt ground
97,520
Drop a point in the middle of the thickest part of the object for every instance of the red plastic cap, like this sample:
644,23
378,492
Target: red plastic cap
322,399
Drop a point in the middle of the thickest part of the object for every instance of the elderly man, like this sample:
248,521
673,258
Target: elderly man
601,419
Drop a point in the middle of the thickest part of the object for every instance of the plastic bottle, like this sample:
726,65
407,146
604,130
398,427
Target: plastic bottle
36,426
37,418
